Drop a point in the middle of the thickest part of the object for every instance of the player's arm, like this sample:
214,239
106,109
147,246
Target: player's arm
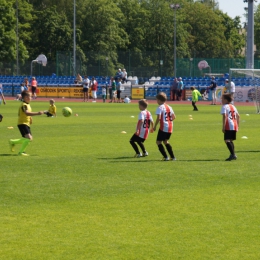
156,122
151,126
139,124
223,122
173,117
25,110
3,97
238,119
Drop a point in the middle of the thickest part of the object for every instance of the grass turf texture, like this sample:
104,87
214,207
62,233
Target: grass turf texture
81,195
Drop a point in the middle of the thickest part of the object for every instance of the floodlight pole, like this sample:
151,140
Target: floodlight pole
17,40
175,7
74,39
250,35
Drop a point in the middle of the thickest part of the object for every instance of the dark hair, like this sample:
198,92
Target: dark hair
192,88
143,103
161,96
25,93
227,97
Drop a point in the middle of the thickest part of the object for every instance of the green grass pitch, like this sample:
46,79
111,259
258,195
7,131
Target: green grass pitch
82,195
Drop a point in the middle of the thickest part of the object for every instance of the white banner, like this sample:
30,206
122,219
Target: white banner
242,94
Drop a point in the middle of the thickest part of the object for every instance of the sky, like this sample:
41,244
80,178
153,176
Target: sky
233,7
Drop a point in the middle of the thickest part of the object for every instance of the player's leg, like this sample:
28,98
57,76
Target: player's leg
24,141
133,139
160,138
141,144
169,149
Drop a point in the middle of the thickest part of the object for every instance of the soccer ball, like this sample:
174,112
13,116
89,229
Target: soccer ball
66,111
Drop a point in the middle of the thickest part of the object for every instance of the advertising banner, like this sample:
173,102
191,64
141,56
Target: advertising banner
72,92
137,93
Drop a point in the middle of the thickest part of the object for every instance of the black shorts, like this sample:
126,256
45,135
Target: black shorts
230,135
33,90
137,139
118,92
85,89
24,130
163,136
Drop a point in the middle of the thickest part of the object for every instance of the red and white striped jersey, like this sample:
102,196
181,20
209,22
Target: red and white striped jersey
143,125
166,116
231,117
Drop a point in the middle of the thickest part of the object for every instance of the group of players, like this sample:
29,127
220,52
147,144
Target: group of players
166,116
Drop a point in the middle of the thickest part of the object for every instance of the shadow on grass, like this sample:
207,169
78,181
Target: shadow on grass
248,151
6,155
201,160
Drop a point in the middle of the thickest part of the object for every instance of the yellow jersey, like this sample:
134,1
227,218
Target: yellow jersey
52,109
23,119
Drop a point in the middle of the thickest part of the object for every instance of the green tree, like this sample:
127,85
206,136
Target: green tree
51,33
7,32
257,30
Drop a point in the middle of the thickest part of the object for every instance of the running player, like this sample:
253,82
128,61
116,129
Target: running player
230,124
24,121
165,117
145,120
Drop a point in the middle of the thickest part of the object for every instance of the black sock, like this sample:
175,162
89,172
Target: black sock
135,147
230,147
169,149
233,146
161,149
141,146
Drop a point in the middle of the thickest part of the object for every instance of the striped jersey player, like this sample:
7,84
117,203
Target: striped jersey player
165,117
230,124
145,121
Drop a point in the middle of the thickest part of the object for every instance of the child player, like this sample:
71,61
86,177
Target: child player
230,124
24,121
195,97
52,109
145,120
104,94
165,116
3,98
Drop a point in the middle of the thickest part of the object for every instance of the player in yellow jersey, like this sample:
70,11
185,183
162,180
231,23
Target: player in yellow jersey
24,121
52,109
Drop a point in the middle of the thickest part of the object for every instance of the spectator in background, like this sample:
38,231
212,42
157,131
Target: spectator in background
78,79
113,98
26,83
86,83
118,90
174,88
213,88
110,88
124,76
19,96
34,87
118,74
179,89
1,96
127,100
94,87
232,89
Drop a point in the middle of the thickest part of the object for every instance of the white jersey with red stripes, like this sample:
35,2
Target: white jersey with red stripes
143,125
230,112
166,114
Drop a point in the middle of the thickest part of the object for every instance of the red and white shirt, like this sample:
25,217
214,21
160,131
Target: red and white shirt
231,117
166,116
143,125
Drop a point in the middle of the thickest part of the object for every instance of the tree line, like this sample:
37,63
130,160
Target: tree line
112,26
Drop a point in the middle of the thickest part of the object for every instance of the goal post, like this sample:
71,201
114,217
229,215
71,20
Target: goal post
248,80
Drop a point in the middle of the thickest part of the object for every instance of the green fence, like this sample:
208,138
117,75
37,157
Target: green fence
140,64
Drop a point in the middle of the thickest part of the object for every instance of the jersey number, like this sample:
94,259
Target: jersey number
146,123
232,115
168,116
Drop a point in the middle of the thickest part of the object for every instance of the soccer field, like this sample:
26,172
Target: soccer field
82,195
